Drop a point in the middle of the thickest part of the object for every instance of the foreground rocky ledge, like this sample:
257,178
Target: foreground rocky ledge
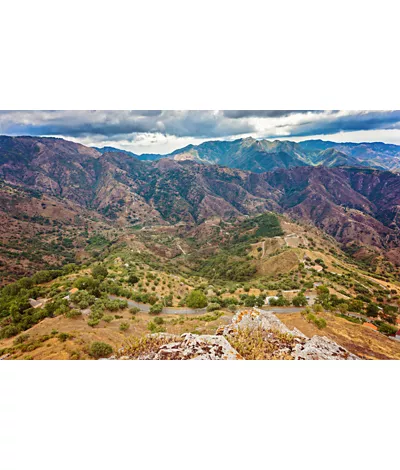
252,334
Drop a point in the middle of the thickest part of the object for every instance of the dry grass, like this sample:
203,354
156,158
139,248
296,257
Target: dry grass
82,335
356,338
258,344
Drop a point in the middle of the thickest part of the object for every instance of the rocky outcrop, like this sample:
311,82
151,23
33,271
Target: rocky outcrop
257,318
185,347
302,347
321,348
280,342
199,347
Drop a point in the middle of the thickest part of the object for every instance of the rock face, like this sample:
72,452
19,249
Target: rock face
320,347
316,348
187,347
200,347
257,318
285,343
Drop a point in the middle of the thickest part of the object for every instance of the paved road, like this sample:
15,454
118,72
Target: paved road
165,310
199,311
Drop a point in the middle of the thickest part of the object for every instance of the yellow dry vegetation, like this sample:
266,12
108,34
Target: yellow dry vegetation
356,338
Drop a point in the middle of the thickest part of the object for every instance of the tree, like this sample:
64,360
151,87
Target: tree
89,284
343,308
372,310
99,349
156,309
196,299
322,294
300,300
99,272
387,329
132,279
317,308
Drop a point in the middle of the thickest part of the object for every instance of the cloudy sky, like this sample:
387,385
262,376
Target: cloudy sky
165,131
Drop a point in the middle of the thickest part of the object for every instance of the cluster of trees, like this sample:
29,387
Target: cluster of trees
387,313
227,268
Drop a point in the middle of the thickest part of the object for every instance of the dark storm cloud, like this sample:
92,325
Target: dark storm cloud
122,124
128,125
358,121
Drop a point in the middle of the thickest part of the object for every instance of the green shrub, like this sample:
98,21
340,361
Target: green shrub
196,299
158,321
156,309
387,329
9,331
21,339
73,313
99,349
300,300
318,321
62,337
99,272
124,326
213,306
133,279
108,318
155,328
317,308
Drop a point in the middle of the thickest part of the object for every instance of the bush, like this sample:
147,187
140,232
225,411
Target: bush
62,337
73,313
108,318
99,349
318,321
372,310
124,326
134,310
21,339
151,326
99,272
317,308
387,329
158,320
300,300
93,322
196,299
213,306
156,309
89,284
9,331
133,279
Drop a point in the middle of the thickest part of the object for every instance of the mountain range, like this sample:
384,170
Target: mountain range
263,155
358,206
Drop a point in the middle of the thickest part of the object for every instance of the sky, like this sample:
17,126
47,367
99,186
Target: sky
155,131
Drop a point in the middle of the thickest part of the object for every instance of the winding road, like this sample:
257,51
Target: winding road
198,311
165,310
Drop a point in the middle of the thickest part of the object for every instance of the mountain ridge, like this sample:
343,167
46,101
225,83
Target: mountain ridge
260,155
357,206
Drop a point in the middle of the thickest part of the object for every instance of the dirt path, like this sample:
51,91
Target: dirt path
179,246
